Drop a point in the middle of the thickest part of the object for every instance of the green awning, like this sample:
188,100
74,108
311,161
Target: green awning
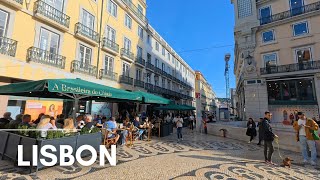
67,89
176,107
152,99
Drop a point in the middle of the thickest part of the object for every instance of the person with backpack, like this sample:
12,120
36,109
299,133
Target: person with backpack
268,137
261,133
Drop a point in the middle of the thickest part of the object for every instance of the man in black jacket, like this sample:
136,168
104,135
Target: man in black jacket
268,137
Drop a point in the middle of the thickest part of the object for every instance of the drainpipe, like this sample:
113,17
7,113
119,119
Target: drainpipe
99,46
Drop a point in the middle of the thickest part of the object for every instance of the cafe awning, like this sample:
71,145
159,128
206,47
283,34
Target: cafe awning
152,99
176,107
67,89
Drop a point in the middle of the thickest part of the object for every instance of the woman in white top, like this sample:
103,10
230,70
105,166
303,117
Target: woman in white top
45,124
179,124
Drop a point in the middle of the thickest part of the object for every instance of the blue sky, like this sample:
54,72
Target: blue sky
192,25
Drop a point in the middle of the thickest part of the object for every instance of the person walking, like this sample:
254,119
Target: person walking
307,134
251,129
179,125
261,133
268,137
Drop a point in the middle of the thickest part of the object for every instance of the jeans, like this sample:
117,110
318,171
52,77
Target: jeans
124,136
251,138
179,129
268,155
304,143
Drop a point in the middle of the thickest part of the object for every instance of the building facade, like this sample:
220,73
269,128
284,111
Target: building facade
277,56
109,42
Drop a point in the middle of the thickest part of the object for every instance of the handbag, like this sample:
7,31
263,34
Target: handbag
315,135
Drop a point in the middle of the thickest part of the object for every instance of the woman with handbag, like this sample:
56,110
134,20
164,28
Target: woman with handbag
251,129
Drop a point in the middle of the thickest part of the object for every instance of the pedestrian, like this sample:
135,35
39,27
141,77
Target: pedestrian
191,121
179,125
251,129
261,133
268,137
204,120
307,132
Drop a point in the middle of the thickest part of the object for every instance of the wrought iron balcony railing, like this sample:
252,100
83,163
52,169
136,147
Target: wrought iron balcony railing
46,57
135,10
52,13
107,43
308,65
126,79
149,87
150,66
140,61
157,89
8,46
81,67
127,53
157,70
293,12
138,83
19,1
108,75
87,32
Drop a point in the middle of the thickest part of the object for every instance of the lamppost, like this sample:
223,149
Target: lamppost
226,73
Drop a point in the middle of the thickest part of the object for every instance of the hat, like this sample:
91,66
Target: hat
300,113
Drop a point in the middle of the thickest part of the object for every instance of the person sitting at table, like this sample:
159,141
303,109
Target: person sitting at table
68,126
126,131
111,126
88,121
45,125
26,121
140,127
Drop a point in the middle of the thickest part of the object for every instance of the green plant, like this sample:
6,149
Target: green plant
50,134
95,130
23,130
85,130
58,134
34,134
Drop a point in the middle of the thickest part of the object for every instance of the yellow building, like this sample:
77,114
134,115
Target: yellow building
207,95
103,41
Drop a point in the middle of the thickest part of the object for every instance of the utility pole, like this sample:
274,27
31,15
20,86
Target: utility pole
99,46
226,74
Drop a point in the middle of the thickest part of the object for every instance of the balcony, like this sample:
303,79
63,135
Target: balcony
140,61
17,4
46,57
51,15
86,34
135,10
8,46
138,83
104,74
157,89
81,67
150,66
126,80
304,66
149,87
157,70
110,46
127,55
291,13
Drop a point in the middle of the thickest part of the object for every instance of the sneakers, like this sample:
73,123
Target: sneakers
305,161
249,142
313,163
181,139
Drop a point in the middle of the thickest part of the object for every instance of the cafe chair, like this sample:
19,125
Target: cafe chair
106,140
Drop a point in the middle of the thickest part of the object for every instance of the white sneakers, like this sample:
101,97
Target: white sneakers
313,163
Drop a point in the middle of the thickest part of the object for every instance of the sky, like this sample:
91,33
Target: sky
201,32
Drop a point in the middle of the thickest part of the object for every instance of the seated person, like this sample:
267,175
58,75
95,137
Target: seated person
68,126
137,124
111,127
126,132
88,121
26,121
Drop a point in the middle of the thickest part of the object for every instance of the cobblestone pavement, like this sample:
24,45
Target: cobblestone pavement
198,156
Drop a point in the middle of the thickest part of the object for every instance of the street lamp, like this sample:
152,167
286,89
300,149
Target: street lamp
227,59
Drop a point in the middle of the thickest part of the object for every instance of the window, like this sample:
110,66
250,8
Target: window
49,41
265,15
108,65
57,4
148,78
157,63
140,9
125,69
87,20
270,59
169,56
268,36
128,21
140,32
85,54
303,55
4,18
169,85
111,34
149,58
169,70
149,40
163,51
139,52
244,8
300,29
173,60
163,67
112,8
127,44
138,74
163,83
156,80
296,7
157,46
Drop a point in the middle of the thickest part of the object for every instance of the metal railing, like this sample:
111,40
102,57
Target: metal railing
302,66
46,57
290,13
108,75
127,53
8,46
140,61
157,70
126,79
138,83
87,32
107,43
149,87
135,10
150,66
81,67
19,1
52,13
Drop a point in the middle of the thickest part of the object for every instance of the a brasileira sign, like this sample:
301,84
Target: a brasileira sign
57,87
